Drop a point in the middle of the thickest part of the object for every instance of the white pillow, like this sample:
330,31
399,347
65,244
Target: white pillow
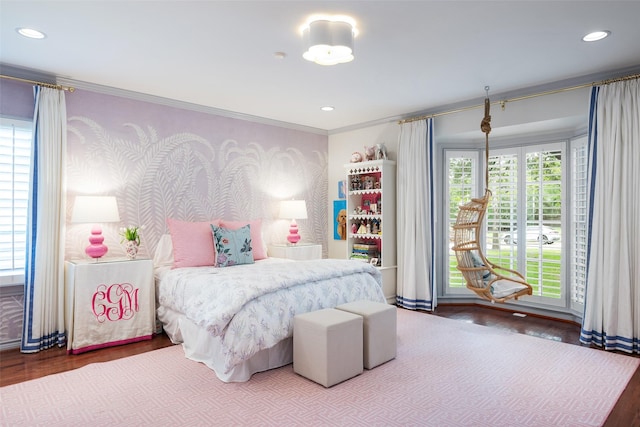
164,252
504,287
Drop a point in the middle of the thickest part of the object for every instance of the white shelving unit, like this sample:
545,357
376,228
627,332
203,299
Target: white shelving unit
371,218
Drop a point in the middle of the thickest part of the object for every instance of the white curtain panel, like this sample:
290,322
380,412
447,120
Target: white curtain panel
43,325
612,305
416,277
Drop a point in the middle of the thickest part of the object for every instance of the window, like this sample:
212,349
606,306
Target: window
462,168
502,212
525,216
15,154
536,222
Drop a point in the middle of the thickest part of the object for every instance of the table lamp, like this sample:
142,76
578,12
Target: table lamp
96,210
293,209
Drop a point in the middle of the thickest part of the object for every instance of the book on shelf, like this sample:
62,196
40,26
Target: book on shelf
364,246
365,251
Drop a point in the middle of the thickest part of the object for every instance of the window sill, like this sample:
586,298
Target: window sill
11,280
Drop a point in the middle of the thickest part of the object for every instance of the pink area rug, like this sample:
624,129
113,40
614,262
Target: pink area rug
447,373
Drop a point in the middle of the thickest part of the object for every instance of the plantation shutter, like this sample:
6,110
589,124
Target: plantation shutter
461,185
527,200
544,209
578,222
502,214
15,155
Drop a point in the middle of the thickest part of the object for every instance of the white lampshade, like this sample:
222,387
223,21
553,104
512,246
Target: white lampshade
293,209
95,209
329,41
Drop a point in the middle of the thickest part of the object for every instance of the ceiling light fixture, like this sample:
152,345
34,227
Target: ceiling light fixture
327,108
329,40
30,33
596,35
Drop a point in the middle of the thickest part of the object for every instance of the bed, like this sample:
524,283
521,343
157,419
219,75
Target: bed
238,320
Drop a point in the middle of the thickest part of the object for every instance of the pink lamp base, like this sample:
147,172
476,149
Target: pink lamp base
293,236
96,249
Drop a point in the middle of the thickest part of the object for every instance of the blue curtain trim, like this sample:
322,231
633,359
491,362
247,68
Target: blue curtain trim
432,204
42,343
414,304
592,159
613,342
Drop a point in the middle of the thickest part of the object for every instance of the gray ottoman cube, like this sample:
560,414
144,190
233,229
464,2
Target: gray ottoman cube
380,333
327,346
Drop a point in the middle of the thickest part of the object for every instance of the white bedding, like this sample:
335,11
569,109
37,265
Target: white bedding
250,308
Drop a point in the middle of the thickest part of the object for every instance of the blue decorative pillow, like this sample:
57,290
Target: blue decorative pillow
233,246
477,262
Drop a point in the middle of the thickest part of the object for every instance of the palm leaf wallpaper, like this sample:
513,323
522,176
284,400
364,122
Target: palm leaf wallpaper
165,162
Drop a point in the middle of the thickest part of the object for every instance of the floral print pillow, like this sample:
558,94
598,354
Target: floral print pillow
233,246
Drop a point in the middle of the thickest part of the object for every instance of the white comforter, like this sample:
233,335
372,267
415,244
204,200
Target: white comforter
251,307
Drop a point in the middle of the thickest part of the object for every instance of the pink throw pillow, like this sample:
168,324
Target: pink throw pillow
257,245
192,243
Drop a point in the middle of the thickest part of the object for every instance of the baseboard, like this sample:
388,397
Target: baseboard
9,345
532,311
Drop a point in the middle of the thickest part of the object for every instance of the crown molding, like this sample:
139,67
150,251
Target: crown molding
138,96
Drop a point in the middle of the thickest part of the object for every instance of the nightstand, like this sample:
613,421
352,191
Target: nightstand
108,303
298,252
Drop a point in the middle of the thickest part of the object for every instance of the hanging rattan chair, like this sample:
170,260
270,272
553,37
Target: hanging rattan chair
490,281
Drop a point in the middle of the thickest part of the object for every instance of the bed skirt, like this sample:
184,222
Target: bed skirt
200,346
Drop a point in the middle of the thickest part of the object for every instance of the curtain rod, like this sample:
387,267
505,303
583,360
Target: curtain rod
49,85
520,98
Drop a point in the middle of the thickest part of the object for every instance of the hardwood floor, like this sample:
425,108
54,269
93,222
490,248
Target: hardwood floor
16,367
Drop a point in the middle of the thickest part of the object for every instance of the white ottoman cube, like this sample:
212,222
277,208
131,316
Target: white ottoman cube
380,334
327,346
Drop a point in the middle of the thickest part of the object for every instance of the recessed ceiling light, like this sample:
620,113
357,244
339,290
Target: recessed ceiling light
31,33
595,36
327,108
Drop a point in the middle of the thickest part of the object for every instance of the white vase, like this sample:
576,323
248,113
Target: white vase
131,248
